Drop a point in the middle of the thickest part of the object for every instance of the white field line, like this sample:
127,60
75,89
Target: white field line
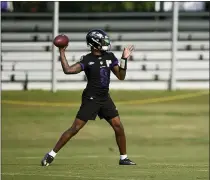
203,170
180,165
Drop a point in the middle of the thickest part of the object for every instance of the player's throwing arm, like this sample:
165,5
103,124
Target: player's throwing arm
61,41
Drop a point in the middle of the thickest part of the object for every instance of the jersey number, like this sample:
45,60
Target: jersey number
108,62
104,77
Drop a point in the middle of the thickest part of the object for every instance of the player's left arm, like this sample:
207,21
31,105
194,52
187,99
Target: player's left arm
120,70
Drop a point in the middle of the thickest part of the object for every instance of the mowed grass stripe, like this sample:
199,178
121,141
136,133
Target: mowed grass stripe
144,101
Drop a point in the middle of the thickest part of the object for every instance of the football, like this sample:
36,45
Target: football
61,41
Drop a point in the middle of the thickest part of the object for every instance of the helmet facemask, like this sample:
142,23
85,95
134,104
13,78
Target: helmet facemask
98,39
105,44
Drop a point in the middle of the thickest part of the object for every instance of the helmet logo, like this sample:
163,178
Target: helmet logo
96,34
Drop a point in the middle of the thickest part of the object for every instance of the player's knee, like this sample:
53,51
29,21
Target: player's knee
118,127
116,123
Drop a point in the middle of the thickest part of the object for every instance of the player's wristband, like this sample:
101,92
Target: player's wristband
123,63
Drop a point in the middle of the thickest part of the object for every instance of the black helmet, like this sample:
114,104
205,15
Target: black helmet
98,39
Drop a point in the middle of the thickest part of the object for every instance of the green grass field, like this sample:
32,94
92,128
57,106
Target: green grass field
167,139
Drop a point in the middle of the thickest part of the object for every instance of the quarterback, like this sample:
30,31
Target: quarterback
96,100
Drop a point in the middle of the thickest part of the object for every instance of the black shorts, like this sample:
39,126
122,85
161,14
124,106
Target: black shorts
90,108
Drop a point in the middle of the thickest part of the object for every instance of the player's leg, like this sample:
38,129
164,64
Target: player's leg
69,133
110,113
65,137
120,136
88,111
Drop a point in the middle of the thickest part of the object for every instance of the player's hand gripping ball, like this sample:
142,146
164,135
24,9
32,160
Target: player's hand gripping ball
61,41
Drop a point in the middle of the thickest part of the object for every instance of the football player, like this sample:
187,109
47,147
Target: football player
96,100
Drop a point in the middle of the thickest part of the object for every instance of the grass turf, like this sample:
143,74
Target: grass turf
167,140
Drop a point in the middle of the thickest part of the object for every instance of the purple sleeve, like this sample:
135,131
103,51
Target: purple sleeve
82,65
114,62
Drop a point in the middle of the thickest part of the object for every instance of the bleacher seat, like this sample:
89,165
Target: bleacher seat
82,46
132,65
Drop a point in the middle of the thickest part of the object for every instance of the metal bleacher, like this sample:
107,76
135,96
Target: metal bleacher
27,57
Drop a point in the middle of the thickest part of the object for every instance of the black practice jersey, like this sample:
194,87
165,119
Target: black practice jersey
98,70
